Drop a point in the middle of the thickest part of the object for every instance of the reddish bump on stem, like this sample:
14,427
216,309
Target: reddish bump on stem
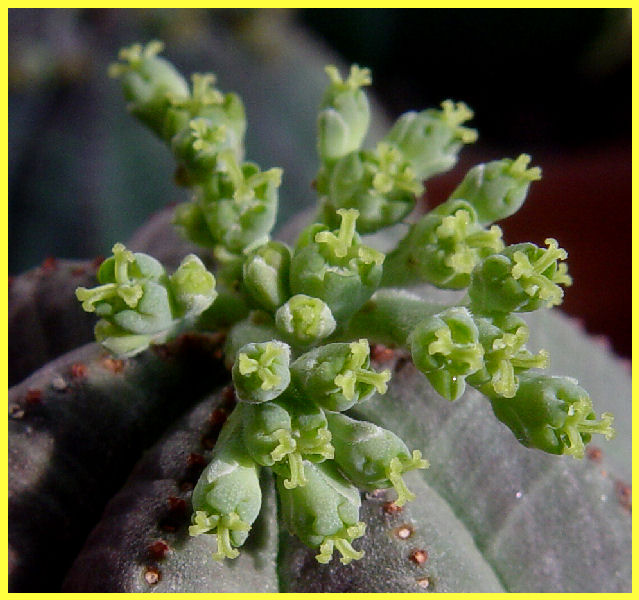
77,271
624,495
381,353
78,370
158,550
390,508
419,557
33,397
217,417
97,261
50,263
423,582
114,365
196,460
594,453
152,575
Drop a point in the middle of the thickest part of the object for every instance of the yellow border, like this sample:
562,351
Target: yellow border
4,278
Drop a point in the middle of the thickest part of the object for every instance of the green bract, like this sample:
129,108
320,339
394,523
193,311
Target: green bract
552,414
265,275
140,305
227,497
344,113
446,348
338,376
336,267
430,140
324,513
443,248
299,323
521,278
373,457
260,372
497,189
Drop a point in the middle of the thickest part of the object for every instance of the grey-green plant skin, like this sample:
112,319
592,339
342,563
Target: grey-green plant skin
109,410
152,507
43,319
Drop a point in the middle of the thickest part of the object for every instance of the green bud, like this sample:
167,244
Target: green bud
261,372
207,102
139,305
380,184
305,320
344,113
552,414
198,144
324,513
149,83
430,140
373,457
282,434
193,286
338,376
445,347
235,208
336,267
503,338
521,278
227,497
265,275
443,247
497,189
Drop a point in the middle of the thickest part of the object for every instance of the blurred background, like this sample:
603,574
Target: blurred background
554,83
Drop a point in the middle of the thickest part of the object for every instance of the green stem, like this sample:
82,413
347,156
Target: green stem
389,317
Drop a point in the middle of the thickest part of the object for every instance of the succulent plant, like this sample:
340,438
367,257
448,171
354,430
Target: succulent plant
308,423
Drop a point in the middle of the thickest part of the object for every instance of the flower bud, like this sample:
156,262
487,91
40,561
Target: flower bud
344,113
261,372
372,457
497,189
430,140
521,278
305,320
445,347
338,376
552,414
324,513
265,275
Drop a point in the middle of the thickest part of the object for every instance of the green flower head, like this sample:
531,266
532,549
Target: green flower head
497,189
552,414
373,457
336,267
431,140
521,278
446,348
324,513
344,113
261,371
338,376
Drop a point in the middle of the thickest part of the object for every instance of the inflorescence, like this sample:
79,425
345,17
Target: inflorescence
299,320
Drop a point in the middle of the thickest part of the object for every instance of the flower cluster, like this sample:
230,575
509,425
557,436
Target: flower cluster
299,320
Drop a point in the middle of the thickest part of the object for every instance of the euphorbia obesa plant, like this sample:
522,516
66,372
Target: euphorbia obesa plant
306,433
